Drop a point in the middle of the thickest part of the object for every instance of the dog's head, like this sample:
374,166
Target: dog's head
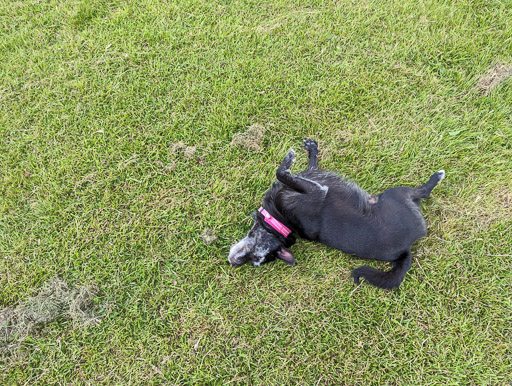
258,247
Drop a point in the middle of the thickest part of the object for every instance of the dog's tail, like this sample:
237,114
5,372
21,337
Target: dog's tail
387,280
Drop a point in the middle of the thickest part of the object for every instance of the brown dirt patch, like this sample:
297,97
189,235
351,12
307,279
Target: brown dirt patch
496,76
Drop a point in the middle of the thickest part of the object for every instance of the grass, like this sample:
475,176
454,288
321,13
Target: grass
94,97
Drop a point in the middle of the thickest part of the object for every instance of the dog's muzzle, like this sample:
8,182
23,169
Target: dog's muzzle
237,253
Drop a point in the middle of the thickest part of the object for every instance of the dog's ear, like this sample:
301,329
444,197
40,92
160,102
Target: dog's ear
286,255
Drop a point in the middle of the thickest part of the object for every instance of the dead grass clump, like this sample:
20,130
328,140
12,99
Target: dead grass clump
125,163
208,236
251,138
57,299
180,148
497,75
177,147
189,151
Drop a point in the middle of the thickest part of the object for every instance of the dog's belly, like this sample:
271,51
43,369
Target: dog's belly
366,239
366,248
342,217
354,240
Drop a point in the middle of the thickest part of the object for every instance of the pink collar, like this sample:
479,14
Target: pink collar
277,225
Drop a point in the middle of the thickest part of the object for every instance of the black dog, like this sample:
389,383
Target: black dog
320,206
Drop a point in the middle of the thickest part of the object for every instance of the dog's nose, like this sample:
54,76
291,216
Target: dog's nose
235,265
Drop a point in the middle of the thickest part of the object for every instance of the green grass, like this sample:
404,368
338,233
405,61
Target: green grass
95,94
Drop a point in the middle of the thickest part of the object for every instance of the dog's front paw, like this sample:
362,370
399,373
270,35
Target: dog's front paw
310,145
288,160
290,157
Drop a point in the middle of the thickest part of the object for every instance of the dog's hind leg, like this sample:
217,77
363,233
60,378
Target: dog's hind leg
387,280
312,147
424,190
298,183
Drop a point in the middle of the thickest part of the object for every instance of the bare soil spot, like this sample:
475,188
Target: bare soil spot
251,138
496,76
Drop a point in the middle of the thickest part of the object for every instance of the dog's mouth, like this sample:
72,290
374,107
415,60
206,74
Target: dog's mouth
238,261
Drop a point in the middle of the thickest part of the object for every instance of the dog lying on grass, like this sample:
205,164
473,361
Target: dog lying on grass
320,206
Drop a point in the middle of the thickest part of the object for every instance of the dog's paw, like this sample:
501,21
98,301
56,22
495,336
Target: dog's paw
290,157
310,145
287,162
355,276
440,175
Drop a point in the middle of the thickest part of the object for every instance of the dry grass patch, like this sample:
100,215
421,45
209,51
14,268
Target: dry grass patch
496,76
209,237
284,19
481,210
57,299
180,148
251,138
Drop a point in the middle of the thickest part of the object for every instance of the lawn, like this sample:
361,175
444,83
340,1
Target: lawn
116,127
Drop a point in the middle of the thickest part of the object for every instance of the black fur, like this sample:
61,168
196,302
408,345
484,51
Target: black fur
320,206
